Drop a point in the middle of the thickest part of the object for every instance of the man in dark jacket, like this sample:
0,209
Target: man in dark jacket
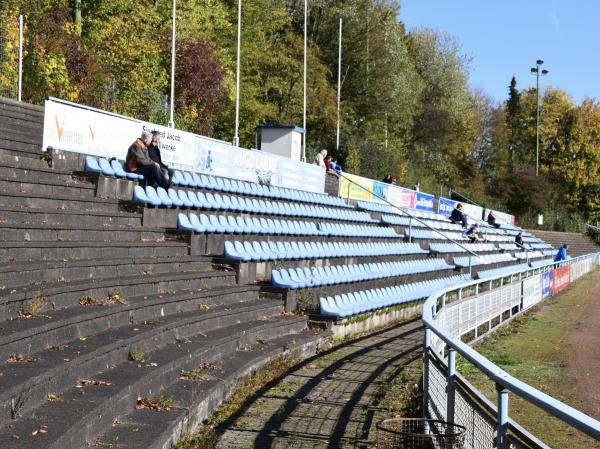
154,153
519,240
138,161
491,219
458,216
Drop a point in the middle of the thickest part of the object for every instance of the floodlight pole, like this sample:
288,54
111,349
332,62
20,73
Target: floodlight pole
173,49
304,87
236,138
536,71
337,139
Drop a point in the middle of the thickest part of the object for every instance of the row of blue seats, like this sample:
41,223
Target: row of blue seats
187,179
529,255
294,278
109,168
354,303
222,224
483,260
349,230
497,272
217,201
257,251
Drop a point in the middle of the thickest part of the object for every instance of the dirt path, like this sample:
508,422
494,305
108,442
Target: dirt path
583,358
331,402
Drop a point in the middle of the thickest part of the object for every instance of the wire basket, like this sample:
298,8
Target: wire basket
416,433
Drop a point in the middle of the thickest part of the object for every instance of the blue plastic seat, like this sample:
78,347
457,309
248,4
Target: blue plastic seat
174,197
189,179
183,196
196,204
177,179
140,196
164,197
198,226
183,223
91,165
105,167
120,173
205,221
234,250
153,195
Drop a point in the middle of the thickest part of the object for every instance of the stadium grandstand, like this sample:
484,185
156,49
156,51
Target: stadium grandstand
111,289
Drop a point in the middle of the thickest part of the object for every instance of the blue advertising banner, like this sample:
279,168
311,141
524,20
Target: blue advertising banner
424,201
547,284
446,206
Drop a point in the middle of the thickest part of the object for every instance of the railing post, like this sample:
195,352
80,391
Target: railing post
451,387
20,80
443,303
410,230
502,417
426,346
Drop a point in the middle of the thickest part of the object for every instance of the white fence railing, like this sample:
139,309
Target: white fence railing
469,311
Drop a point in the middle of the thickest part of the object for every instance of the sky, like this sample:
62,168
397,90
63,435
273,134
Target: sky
506,37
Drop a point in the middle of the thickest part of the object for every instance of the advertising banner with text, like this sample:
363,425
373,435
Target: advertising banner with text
561,279
446,205
532,291
501,217
547,279
71,127
358,188
424,201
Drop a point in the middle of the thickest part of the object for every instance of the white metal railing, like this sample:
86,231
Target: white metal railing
474,309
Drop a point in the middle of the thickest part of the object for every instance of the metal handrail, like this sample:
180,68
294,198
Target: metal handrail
404,211
564,412
595,228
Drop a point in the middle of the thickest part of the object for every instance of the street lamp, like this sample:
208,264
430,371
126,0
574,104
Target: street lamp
536,71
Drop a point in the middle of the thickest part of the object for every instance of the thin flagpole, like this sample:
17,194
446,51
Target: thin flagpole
304,92
237,80
172,112
337,140
20,83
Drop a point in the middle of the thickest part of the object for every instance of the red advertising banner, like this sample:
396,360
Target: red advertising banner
562,278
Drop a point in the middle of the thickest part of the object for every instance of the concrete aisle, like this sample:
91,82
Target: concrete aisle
329,402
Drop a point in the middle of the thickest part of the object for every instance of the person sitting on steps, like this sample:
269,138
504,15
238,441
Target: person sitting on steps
472,233
138,161
458,216
519,240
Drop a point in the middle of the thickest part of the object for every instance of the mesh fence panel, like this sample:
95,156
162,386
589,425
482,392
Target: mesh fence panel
437,392
9,57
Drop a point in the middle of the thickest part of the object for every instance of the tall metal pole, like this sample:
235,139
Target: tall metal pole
304,91
172,112
537,137
237,77
337,139
20,83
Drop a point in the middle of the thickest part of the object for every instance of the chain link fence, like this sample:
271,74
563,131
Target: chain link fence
9,60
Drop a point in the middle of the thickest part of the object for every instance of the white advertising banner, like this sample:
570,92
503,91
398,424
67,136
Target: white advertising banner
501,217
71,127
532,291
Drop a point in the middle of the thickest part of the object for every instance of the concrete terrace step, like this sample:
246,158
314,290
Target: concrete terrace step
579,244
25,149
22,135
16,168
77,188
197,399
58,295
78,250
28,163
69,217
8,103
30,273
87,412
59,202
56,370
40,232
58,327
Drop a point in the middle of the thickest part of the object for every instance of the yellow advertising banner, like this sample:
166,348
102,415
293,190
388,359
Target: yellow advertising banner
354,190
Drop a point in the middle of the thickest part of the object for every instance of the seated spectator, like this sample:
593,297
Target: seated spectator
458,216
417,187
519,240
472,233
138,161
154,153
333,165
491,219
387,179
394,181
320,158
562,254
